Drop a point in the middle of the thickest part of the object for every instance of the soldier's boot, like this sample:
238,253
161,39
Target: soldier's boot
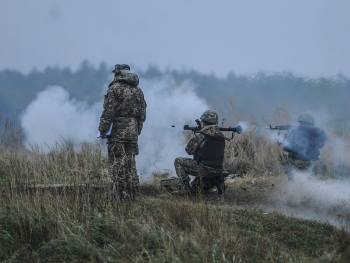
220,185
197,186
112,195
121,190
124,196
128,192
186,184
131,195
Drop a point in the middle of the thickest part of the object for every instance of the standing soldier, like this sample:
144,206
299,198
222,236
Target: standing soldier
121,122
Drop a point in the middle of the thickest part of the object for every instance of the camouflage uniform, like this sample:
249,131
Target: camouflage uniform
302,146
289,163
189,166
196,166
124,110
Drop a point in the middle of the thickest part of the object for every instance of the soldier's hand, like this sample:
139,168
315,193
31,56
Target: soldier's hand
102,135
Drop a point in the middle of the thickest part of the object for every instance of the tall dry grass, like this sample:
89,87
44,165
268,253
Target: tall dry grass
63,164
74,224
52,229
248,154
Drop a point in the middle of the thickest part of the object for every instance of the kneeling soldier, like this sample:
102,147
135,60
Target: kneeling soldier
207,147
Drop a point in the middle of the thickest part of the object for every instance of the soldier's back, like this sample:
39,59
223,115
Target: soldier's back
306,141
130,108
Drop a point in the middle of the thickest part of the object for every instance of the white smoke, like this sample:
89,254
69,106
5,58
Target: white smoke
54,116
278,137
168,105
310,197
316,194
246,126
337,151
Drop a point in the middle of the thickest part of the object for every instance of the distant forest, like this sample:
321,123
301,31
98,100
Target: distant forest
256,96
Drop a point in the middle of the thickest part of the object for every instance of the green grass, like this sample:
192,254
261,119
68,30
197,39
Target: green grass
63,164
52,229
82,225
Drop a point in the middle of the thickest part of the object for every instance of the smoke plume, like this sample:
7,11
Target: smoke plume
322,192
309,197
168,105
54,116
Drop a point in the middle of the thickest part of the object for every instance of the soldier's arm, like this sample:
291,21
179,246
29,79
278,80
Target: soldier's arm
142,112
108,111
142,105
194,143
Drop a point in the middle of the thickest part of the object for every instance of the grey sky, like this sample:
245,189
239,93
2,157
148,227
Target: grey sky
309,37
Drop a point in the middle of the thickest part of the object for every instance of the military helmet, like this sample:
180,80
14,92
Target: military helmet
306,119
119,67
210,117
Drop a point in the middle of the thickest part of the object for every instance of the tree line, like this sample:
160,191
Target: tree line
251,96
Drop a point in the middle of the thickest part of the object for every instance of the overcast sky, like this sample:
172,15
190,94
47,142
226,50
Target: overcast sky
308,37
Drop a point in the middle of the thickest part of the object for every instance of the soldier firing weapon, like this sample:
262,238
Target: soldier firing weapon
237,129
207,146
302,144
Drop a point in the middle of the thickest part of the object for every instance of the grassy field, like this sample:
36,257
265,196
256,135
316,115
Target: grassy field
82,224
80,229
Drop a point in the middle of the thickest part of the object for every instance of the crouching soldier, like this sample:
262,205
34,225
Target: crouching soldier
302,144
207,146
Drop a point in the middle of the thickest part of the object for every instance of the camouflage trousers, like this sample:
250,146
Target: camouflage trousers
290,163
206,177
122,168
185,167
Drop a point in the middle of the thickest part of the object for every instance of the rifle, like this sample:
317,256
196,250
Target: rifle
280,127
237,129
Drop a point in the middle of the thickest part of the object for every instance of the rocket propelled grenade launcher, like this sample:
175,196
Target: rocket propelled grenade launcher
237,129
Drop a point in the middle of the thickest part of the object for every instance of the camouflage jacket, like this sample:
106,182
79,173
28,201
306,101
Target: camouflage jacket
304,142
197,139
124,108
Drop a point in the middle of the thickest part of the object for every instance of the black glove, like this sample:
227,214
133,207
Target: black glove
103,135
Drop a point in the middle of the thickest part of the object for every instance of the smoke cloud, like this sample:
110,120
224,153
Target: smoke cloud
323,192
169,105
309,197
54,116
